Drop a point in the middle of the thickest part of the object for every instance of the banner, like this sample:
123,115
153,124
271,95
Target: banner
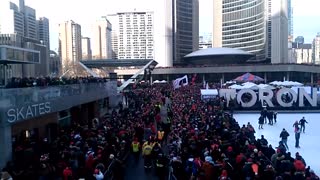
183,81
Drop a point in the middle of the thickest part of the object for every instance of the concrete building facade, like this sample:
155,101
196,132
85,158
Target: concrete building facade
316,49
19,28
102,39
43,31
70,48
302,53
176,30
30,22
86,48
290,18
134,34
254,26
55,64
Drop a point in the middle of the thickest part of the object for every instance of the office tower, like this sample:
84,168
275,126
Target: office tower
134,33
43,31
86,48
101,40
30,22
290,18
11,19
44,47
70,49
257,26
279,31
316,49
186,28
176,30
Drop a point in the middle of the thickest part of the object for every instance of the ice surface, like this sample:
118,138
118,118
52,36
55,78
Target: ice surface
309,141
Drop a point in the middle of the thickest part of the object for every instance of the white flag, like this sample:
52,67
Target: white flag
177,82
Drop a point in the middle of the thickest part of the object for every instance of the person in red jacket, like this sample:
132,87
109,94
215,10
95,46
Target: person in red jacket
67,173
300,169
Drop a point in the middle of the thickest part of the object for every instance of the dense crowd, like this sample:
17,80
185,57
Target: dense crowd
50,81
202,140
93,150
208,143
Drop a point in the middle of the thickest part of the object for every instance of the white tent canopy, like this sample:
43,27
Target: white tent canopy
265,86
157,81
286,83
250,85
236,86
230,82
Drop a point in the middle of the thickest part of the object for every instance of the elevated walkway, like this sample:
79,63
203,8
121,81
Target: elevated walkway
152,63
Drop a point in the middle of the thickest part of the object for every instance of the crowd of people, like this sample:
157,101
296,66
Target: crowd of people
196,139
208,143
50,81
93,150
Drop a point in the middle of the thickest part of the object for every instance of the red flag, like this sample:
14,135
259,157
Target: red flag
193,79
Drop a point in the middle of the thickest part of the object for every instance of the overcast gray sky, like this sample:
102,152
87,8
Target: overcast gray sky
306,13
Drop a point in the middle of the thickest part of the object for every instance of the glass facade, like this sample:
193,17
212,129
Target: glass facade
244,26
10,55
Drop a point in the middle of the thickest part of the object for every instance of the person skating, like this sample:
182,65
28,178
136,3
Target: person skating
284,137
297,136
295,125
303,122
261,122
275,116
270,117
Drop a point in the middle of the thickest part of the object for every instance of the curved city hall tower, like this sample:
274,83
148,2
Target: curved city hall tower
255,26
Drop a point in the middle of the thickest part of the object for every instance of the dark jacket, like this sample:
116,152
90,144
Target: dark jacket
284,134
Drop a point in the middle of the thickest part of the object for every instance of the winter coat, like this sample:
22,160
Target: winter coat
261,120
207,171
284,135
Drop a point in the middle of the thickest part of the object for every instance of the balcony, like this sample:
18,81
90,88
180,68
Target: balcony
24,103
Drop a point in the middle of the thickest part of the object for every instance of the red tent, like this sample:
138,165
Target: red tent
248,77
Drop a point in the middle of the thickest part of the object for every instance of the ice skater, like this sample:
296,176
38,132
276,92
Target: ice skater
303,122
284,137
295,125
263,113
261,122
270,117
275,116
297,136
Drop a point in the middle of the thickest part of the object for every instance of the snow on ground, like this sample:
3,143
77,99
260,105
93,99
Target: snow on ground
309,141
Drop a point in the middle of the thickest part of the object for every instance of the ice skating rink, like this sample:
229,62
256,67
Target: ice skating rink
309,141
